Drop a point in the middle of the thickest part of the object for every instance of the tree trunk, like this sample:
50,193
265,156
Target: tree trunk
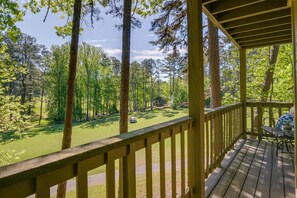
152,92
41,104
30,95
24,90
134,99
214,66
215,87
125,67
269,72
66,143
125,71
137,99
144,89
267,81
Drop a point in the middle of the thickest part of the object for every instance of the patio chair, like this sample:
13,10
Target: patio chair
282,137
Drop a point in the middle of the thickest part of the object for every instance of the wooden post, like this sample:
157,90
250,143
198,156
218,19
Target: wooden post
242,55
294,43
196,94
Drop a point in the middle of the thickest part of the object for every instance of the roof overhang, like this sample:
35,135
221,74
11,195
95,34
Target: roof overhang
252,23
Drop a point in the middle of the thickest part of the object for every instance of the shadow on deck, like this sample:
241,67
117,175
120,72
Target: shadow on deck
253,170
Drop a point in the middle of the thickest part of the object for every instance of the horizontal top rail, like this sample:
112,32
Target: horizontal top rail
222,108
33,167
268,104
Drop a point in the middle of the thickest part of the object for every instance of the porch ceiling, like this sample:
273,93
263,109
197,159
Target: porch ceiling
251,23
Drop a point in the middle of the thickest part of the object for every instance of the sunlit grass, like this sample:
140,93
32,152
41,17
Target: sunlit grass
47,139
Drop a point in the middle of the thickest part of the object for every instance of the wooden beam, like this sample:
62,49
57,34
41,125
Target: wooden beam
262,25
258,19
267,44
208,1
227,5
196,96
252,10
294,46
242,57
217,24
265,36
265,40
263,32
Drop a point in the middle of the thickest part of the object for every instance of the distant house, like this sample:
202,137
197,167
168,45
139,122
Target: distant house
160,101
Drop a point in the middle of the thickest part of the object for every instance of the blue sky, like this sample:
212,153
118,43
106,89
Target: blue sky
104,34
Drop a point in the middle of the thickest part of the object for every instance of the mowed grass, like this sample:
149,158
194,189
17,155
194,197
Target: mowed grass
47,139
99,190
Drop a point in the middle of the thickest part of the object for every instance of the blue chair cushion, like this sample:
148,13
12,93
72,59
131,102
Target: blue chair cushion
284,119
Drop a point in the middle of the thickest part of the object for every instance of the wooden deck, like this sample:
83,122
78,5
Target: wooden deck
253,170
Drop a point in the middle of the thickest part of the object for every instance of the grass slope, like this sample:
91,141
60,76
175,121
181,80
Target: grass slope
47,139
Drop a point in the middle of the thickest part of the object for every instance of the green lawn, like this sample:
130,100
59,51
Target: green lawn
98,190
47,139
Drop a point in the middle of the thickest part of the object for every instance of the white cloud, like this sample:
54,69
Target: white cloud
98,45
147,54
97,41
142,57
113,51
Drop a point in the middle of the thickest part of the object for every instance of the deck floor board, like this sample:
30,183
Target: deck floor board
254,171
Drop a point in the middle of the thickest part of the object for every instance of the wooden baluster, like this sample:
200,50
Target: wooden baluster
149,174
132,170
81,181
207,149
217,139
212,153
224,131
190,158
279,111
221,130
173,160
110,176
241,123
162,166
222,135
42,187
260,114
270,115
252,118
230,127
182,156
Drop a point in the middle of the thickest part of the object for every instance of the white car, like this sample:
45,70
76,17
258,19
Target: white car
132,120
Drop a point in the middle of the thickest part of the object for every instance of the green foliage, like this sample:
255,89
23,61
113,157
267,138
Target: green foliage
12,115
96,87
8,156
9,15
257,65
13,121
283,83
171,25
65,10
57,82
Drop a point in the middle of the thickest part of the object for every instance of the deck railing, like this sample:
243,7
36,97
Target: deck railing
264,113
223,127
36,176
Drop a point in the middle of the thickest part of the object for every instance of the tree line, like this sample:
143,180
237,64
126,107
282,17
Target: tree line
38,72
40,76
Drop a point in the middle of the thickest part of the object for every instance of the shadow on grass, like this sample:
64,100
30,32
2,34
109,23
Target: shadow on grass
11,136
145,115
103,121
169,113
